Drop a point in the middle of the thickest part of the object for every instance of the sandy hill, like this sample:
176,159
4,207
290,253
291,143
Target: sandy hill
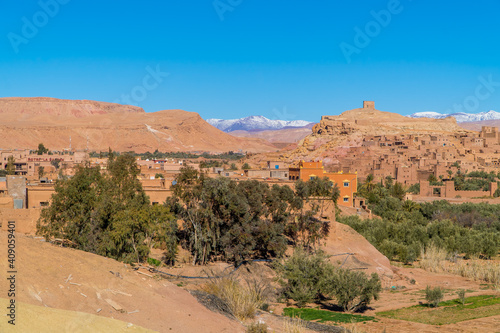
28,121
58,107
81,282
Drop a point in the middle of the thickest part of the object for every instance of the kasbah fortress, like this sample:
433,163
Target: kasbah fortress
345,148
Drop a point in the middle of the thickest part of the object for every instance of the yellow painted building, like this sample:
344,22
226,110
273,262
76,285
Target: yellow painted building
346,182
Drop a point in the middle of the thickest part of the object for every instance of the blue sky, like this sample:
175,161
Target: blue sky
234,58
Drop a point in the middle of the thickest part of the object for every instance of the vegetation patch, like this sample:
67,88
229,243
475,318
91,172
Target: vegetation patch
448,312
324,316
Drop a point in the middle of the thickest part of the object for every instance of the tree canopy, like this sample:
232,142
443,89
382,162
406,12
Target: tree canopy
108,213
249,219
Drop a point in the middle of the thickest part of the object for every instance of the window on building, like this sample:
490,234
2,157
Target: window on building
154,203
346,199
346,184
44,203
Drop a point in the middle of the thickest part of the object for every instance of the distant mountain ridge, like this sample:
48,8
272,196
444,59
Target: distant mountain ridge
461,117
255,123
98,126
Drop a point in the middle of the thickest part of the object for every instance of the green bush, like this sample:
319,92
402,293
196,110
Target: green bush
404,229
433,296
154,262
353,290
306,278
461,295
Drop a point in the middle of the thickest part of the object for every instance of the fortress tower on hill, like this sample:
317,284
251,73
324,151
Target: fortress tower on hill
368,105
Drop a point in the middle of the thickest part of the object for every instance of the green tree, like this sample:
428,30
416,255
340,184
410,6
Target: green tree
461,295
309,277
76,211
233,167
305,229
389,182
55,163
41,171
88,210
235,220
11,167
136,231
398,191
41,149
304,277
433,296
245,166
369,182
353,290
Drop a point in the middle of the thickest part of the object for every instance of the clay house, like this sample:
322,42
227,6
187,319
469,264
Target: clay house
346,182
490,135
277,170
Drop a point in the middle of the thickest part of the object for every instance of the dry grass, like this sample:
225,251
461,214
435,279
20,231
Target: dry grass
293,325
434,259
257,328
354,327
476,269
243,300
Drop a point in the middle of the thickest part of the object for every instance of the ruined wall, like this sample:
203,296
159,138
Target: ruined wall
448,190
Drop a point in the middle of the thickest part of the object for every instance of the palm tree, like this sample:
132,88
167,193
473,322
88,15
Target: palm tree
369,182
410,206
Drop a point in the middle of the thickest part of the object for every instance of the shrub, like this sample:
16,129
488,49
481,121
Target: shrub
415,188
154,262
433,258
306,276
433,296
293,325
309,277
461,296
243,301
257,328
353,290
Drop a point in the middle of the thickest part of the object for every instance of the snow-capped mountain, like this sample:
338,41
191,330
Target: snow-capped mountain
254,123
461,117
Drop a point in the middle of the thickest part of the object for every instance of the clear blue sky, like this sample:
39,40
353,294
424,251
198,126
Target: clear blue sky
281,59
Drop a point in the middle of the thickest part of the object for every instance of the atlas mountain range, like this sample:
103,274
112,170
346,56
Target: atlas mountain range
97,126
